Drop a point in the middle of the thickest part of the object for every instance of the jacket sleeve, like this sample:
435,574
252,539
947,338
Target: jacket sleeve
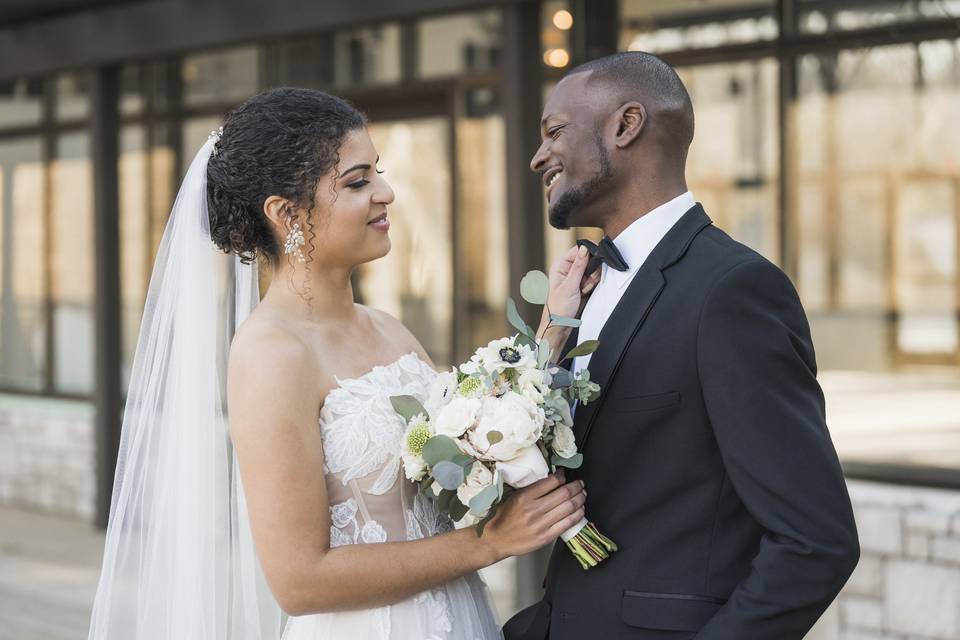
758,374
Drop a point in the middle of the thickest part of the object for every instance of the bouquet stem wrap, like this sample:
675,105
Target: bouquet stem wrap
588,545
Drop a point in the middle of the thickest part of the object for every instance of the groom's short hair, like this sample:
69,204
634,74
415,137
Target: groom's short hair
641,76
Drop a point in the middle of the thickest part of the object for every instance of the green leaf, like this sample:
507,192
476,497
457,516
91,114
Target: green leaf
448,475
481,503
440,448
572,462
583,349
561,378
457,508
534,287
493,437
513,316
565,321
543,353
464,461
407,406
527,340
444,500
483,523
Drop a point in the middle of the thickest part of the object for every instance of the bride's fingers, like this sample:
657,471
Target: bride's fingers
590,282
555,498
567,507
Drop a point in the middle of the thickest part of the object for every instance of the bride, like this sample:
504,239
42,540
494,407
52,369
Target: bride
297,503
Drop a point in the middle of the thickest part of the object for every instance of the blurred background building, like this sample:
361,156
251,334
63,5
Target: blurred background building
828,138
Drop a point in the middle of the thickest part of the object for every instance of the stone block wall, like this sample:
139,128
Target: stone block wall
907,584
47,455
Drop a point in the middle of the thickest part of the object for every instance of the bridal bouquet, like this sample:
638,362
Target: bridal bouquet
499,422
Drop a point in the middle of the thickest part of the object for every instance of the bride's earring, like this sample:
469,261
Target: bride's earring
294,241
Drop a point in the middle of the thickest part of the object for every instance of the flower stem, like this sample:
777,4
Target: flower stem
589,546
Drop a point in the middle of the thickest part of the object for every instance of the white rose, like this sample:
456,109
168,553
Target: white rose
441,391
524,469
531,385
564,444
477,480
518,420
455,417
504,353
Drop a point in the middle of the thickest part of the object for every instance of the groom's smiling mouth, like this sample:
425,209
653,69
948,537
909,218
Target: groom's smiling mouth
550,177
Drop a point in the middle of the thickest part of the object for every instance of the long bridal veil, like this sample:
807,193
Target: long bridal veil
179,561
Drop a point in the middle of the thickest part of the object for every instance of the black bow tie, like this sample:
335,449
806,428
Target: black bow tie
605,252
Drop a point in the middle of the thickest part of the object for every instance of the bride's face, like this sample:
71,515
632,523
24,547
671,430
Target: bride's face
350,207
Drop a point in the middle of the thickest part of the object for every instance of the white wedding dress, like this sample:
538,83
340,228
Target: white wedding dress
371,501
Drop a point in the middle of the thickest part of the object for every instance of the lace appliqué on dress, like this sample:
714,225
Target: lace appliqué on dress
361,430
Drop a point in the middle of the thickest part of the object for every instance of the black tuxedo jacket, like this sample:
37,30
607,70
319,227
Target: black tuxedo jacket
706,459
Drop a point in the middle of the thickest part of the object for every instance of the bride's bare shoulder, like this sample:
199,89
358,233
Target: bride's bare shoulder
264,344
395,331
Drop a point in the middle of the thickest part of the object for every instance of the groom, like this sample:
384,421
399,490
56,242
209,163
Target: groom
707,457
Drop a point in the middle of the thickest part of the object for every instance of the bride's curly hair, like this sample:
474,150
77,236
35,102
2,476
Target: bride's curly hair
277,143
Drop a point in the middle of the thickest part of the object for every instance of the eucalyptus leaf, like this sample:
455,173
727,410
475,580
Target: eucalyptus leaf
494,436
573,462
407,406
583,349
448,475
543,353
457,508
481,503
534,287
561,378
565,321
444,500
527,340
513,316
440,448
483,523
464,461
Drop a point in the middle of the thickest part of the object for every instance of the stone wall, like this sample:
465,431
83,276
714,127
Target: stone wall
47,455
907,585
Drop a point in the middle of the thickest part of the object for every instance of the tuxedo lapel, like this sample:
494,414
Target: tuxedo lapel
629,314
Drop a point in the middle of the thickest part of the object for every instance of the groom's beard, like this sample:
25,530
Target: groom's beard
574,197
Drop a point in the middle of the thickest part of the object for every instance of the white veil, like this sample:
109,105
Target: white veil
179,561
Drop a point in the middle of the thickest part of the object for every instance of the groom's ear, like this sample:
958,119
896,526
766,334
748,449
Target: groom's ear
631,118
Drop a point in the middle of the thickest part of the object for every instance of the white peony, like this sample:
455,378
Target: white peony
441,391
531,384
525,468
518,421
477,480
411,447
455,417
564,444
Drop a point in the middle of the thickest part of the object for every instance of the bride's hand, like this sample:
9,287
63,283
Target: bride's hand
568,286
535,516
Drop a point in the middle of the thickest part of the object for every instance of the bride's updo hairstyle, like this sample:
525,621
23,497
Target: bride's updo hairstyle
277,143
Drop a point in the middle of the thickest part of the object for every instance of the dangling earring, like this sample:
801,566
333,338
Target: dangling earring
294,242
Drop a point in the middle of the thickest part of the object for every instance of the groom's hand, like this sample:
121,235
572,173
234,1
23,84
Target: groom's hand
535,516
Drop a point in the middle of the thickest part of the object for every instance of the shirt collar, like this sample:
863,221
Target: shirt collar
637,241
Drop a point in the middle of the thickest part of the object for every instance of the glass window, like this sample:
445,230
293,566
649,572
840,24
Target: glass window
556,22
367,56
672,25
195,134
823,16
307,62
733,164
22,317
451,45
21,102
72,94
71,254
215,77
482,232
414,282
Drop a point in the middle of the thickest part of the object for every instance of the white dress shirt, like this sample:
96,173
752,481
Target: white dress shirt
635,243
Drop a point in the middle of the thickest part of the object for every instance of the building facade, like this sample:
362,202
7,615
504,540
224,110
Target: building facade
828,138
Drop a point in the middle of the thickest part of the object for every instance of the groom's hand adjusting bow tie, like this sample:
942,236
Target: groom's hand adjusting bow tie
606,252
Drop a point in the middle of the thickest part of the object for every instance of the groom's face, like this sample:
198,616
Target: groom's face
572,159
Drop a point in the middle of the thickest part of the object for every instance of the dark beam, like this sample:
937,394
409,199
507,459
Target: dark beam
130,32
520,90
595,27
105,121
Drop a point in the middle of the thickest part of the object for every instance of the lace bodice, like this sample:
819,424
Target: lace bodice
370,498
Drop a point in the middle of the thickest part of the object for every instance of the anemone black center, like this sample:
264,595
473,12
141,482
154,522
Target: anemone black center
510,355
